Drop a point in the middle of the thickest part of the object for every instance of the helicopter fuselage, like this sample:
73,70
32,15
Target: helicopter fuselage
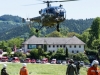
52,15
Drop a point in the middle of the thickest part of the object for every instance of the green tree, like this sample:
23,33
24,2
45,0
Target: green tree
34,54
64,30
60,54
95,43
66,52
3,45
95,28
15,41
40,51
55,34
18,54
8,50
45,47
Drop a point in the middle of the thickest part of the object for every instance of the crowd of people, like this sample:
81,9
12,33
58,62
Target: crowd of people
72,69
75,69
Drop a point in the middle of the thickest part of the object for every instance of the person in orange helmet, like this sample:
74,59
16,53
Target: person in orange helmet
94,70
23,70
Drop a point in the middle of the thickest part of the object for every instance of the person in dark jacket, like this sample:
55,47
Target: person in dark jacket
78,67
3,70
71,69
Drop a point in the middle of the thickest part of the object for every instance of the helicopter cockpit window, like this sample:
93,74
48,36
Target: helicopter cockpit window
61,11
50,10
43,11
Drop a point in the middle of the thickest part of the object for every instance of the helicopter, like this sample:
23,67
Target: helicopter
51,15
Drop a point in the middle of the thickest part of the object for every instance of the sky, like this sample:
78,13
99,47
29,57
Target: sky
80,9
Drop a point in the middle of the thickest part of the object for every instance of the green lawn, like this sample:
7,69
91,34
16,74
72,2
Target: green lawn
40,69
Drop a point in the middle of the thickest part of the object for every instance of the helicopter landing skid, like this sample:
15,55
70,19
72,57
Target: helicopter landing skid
58,27
38,29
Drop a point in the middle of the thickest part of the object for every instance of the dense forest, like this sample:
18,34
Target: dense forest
12,26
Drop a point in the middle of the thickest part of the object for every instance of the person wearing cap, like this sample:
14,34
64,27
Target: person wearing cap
71,69
23,70
94,69
3,70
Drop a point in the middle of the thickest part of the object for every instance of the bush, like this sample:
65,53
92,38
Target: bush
79,57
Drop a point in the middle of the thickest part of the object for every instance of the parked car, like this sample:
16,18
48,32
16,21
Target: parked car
53,61
27,60
4,59
64,62
15,60
44,60
0,58
81,63
58,62
38,61
33,61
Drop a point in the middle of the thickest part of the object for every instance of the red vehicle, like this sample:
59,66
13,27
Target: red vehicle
44,60
27,60
0,58
15,60
33,61
4,59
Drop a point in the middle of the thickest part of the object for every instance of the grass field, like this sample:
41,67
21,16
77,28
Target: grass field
40,69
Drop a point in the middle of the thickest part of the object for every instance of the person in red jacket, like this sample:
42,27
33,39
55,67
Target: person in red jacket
23,70
94,69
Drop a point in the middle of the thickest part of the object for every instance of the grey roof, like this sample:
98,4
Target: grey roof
74,40
53,40
34,40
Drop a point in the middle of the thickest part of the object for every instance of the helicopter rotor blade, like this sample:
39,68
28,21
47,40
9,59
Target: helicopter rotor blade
58,1
47,1
33,4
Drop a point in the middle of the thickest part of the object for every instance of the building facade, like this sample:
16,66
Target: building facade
73,44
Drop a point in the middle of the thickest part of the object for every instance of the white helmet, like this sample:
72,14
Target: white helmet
95,62
4,65
24,64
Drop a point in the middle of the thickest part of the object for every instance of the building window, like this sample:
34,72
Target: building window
79,46
57,45
49,46
30,46
53,45
72,51
53,51
77,51
70,46
74,46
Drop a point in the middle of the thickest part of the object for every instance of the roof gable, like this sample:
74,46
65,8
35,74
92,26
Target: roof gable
74,40
53,40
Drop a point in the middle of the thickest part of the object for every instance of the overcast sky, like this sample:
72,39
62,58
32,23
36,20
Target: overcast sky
80,9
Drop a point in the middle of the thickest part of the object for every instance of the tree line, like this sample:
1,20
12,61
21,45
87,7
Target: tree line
11,25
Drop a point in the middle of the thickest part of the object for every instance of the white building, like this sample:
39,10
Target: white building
73,44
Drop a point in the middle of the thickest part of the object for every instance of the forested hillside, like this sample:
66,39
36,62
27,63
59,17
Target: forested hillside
12,26
77,26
